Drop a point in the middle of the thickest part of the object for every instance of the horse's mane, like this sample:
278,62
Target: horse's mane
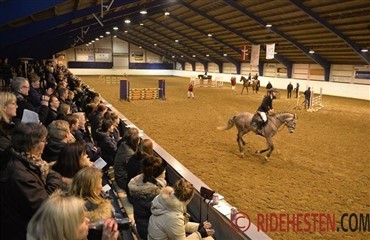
283,113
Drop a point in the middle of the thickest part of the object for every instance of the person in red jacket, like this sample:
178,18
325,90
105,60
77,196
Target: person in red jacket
191,90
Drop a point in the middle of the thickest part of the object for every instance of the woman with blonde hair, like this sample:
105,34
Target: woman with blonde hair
8,110
87,184
63,218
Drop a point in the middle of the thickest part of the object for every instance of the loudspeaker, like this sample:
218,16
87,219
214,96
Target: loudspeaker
206,193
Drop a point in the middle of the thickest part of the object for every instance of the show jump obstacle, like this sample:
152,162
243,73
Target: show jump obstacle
315,102
206,81
129,94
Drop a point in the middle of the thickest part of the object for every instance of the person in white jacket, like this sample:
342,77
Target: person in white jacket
169,219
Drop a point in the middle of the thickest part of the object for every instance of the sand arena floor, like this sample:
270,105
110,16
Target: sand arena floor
323,167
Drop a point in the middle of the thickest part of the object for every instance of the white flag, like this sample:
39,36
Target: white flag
255,55
270,51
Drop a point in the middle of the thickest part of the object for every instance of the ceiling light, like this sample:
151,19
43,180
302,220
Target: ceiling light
97,39
173,56
225,54
207,55
166,13
143,11
176,40
155,44
268,25
209,35
87,44
194,55
141,24
107,33
101,36
364,50
182,56
93,41
115,36
126,31
127,21
140,47
115,28
311,51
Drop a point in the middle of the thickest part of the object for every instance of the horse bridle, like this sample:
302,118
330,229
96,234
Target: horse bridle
289,124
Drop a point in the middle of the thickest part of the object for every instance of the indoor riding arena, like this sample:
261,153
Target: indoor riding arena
323,167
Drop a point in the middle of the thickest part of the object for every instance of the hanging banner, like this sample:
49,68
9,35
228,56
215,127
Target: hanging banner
245,53
255,55
270,51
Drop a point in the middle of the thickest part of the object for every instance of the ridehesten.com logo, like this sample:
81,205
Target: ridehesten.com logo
303,222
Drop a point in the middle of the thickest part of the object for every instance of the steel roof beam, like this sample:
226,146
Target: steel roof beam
356,48
279,58
14,10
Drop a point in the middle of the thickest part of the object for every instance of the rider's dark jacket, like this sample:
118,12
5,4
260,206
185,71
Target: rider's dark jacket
266,104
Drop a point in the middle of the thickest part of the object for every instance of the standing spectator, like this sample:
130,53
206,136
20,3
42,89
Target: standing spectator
233,83
143,189
307,98
191,90
289,89
168,219
296,90
8,110
25,180
63,217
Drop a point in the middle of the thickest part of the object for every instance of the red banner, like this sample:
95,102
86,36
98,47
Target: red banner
246,49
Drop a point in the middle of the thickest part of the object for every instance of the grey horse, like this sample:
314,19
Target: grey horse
244,124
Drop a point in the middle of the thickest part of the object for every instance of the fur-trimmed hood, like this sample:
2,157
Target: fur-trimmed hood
167,202
98,212
148,190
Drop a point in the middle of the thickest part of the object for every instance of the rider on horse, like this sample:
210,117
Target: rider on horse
265,108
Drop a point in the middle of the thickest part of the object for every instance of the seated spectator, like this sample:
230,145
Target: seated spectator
82,133
168,219
72,158
71,102
62,94
110,115
25,180
21,87
59,135
53,109
128,147
8,110
63,110
96,118
87,184
134,164
143,189
63,217
106,141
35,91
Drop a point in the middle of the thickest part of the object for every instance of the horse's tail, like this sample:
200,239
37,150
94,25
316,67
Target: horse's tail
230,124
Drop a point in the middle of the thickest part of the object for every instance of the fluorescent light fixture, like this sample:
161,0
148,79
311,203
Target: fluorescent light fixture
364,50
311,51
107,33
268,25
143,11
209,35
127,21
115,28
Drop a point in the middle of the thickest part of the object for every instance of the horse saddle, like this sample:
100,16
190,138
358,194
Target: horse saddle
256,119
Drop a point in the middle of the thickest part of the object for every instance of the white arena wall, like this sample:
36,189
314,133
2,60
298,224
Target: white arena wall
349,90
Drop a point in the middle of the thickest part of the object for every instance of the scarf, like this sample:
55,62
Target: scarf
36,163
